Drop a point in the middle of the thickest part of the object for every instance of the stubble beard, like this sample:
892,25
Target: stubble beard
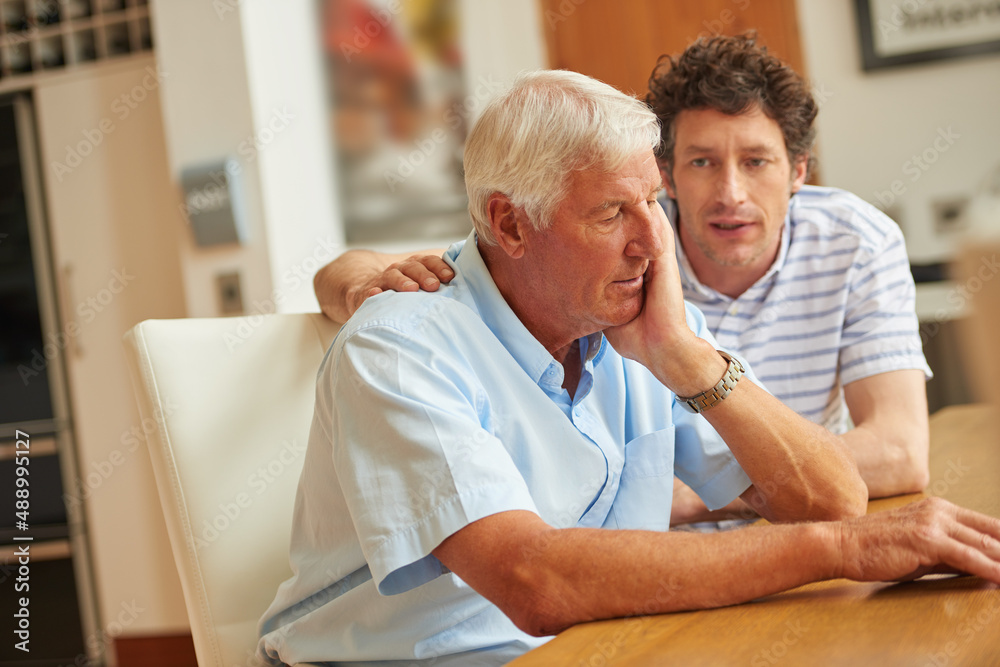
732,259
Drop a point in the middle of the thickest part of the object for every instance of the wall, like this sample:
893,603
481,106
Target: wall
501,39
930,128
285,74
246,82
207,117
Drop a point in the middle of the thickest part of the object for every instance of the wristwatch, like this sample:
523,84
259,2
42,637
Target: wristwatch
718,393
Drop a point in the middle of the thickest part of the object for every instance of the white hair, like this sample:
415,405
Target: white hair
548,124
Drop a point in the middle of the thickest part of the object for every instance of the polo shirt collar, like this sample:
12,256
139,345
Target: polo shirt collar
690,279
526,350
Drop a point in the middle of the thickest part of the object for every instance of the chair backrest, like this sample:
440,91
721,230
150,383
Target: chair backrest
232,399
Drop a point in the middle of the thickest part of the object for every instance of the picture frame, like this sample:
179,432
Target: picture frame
905,32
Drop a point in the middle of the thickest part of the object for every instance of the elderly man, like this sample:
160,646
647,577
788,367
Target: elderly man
810,284
484,469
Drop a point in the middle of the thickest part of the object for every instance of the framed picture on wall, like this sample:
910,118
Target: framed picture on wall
904,32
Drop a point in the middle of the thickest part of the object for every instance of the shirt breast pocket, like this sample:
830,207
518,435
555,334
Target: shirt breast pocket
646,488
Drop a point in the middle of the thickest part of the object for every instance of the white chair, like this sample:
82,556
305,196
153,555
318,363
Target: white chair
233,400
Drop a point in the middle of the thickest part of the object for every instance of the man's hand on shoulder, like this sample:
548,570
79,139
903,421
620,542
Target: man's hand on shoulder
426,272
343,285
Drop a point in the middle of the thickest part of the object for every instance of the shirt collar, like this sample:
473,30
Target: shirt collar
690,279
529,353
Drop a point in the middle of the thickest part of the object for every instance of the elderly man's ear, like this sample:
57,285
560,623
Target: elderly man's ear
668,182
508,224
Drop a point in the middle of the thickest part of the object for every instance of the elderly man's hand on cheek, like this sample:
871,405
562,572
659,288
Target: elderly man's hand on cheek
660,338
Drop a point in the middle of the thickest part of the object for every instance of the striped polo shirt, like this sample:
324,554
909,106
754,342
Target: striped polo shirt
836,306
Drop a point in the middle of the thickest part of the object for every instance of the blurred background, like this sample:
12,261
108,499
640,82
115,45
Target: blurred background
196,158
396,91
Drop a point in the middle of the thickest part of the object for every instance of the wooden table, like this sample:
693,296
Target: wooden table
933,622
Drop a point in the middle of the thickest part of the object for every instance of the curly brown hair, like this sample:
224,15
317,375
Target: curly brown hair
732,75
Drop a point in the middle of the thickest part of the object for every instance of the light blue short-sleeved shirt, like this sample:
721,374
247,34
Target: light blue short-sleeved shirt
434,410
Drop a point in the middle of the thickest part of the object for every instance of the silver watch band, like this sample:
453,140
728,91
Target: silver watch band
719,392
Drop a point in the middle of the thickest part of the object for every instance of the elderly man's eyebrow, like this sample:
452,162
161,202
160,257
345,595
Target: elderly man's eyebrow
613,203
604,206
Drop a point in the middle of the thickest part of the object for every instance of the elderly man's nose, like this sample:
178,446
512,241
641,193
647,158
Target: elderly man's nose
648,241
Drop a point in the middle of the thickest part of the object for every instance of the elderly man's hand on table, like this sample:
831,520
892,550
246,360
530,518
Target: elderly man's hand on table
932,536
544,578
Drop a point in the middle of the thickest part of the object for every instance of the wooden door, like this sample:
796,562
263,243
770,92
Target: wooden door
619,41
